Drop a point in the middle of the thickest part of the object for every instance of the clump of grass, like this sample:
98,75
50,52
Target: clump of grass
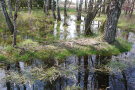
101,18
102,48
2,58
43,54
36,73
74,87
78,22
8,48
117,65
62,54
27,56
49,74
122,45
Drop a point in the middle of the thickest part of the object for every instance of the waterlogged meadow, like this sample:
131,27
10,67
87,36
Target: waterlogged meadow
52,54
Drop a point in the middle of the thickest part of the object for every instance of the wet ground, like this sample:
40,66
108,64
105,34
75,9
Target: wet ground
78,72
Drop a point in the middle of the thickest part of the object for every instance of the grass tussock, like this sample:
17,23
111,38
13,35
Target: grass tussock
35,39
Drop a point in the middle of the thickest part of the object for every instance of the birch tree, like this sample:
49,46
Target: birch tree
29,6
15,26
91,14
113,14
9,8
65,8
6,16
58,11
53,10
79,13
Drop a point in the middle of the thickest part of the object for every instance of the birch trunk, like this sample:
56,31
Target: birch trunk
15,26
92,12
8,21
77,5
53,9
79,11
86,1
9,8
47,7
113,14
58,11
65,8
103,8
29,6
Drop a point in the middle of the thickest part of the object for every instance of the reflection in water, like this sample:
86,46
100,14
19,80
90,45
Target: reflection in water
73,30
86,71
130,36
84,75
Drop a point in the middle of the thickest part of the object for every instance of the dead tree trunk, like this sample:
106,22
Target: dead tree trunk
9,8
53,9
92,12
113,13
58,11
8,21
15,26
79,11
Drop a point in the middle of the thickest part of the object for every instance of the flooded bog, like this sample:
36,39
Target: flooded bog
76,72
94,72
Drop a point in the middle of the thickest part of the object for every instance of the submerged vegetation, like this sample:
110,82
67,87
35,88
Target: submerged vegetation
81,47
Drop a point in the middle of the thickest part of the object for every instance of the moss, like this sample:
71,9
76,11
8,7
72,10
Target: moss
27,56
39,30
62,54
2,58
104,48
43,54
101,29
78,22
122,45
9,48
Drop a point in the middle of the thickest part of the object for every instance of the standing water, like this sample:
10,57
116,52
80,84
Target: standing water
77,72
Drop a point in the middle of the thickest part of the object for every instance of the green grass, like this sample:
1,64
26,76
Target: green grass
69,10
124,23
39,29
119,65
2,58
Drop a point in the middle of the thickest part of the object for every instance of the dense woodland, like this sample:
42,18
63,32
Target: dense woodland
67,44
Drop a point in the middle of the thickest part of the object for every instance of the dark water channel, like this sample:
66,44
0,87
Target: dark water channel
80,73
